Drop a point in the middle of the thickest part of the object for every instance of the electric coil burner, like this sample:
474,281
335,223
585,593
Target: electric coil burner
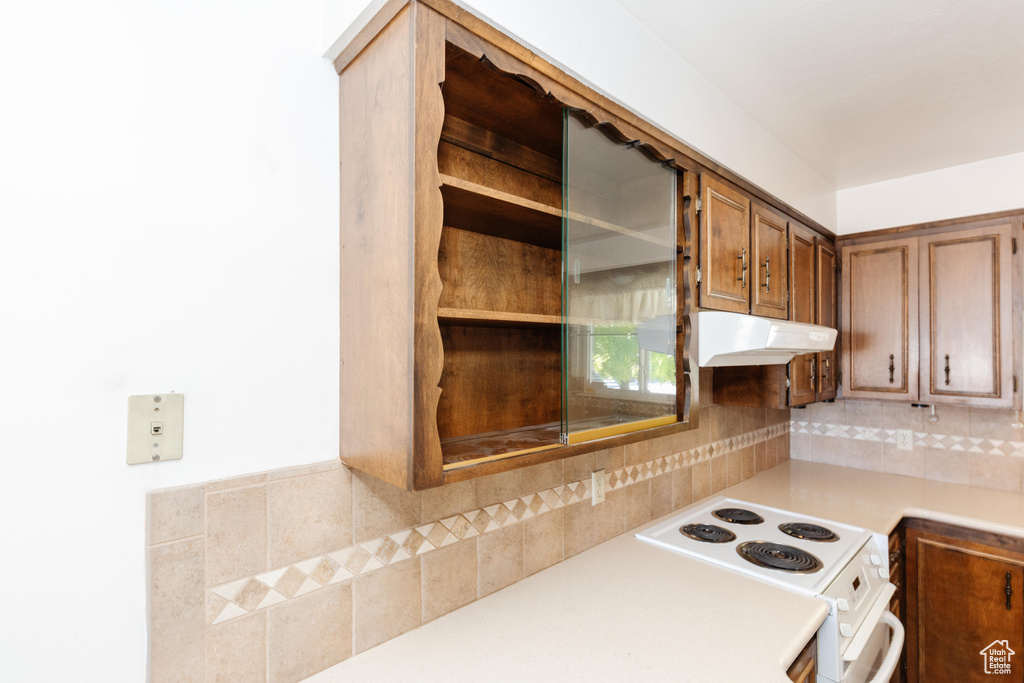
809,532
708,533
778,556
738,516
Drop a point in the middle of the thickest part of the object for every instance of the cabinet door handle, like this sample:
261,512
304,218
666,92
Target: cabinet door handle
892,368
947,369
813,374
767,274
1009,592
894,557
743,267
825,371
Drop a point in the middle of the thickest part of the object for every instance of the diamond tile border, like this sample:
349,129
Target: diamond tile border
951,442
245,596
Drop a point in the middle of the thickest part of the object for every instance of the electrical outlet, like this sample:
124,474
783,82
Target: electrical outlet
597,484
905,439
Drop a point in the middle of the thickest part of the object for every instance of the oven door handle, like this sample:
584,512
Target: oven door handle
871,619
892,657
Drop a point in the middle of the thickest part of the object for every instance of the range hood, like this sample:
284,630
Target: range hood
736,339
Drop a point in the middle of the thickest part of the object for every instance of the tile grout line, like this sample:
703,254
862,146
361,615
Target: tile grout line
571,494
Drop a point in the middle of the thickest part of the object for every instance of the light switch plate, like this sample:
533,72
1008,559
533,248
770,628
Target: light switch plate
156,425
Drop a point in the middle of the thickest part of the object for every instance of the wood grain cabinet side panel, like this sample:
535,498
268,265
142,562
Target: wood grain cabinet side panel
805,668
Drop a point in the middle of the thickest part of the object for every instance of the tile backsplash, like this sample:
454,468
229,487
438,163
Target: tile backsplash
276,576
976,446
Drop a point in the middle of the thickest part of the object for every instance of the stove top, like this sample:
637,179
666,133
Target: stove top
796,551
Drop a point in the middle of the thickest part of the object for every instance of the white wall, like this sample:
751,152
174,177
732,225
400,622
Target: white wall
608,48
168,221
970,189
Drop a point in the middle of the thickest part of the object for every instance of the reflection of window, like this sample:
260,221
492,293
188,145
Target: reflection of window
617,364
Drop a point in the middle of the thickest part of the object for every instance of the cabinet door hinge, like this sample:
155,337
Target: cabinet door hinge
699,205
698,275
1013,245
1015,384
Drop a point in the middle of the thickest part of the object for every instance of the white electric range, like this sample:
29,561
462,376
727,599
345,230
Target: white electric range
844,565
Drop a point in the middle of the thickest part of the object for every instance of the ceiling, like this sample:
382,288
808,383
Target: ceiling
861,90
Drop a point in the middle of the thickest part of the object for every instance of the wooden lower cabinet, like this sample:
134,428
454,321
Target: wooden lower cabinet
804,669
965,604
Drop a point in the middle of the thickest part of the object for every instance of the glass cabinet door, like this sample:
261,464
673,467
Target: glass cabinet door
618,287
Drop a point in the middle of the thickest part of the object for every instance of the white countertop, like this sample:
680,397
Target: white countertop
627,611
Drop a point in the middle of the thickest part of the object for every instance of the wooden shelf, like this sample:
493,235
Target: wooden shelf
611,227
461,316
471,450
482,209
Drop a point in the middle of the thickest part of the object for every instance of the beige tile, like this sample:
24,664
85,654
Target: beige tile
719,473
906,463
761,457
801,447
311,633
682,487
662,446
726,421
949,466
734,462
778,416
578,468
701,474
500,559
864,413
828,413
444,501
637,453
1001,472
578,525
610,516
236,482
449,578
303,470
989,423
540,477
830,450
637,503
177,645
608,459
864,455
236,534
386,603
175,513
309,516
542,541
380,508
497,488
753,419
748,462
236,651
954,420
783,447
691,438
903,416
661,493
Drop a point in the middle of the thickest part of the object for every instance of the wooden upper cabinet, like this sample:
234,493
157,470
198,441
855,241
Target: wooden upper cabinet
880,320
725,248
966,338
825,298
768,277
802,292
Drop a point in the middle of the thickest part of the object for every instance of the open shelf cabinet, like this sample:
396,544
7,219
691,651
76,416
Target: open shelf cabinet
453,322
